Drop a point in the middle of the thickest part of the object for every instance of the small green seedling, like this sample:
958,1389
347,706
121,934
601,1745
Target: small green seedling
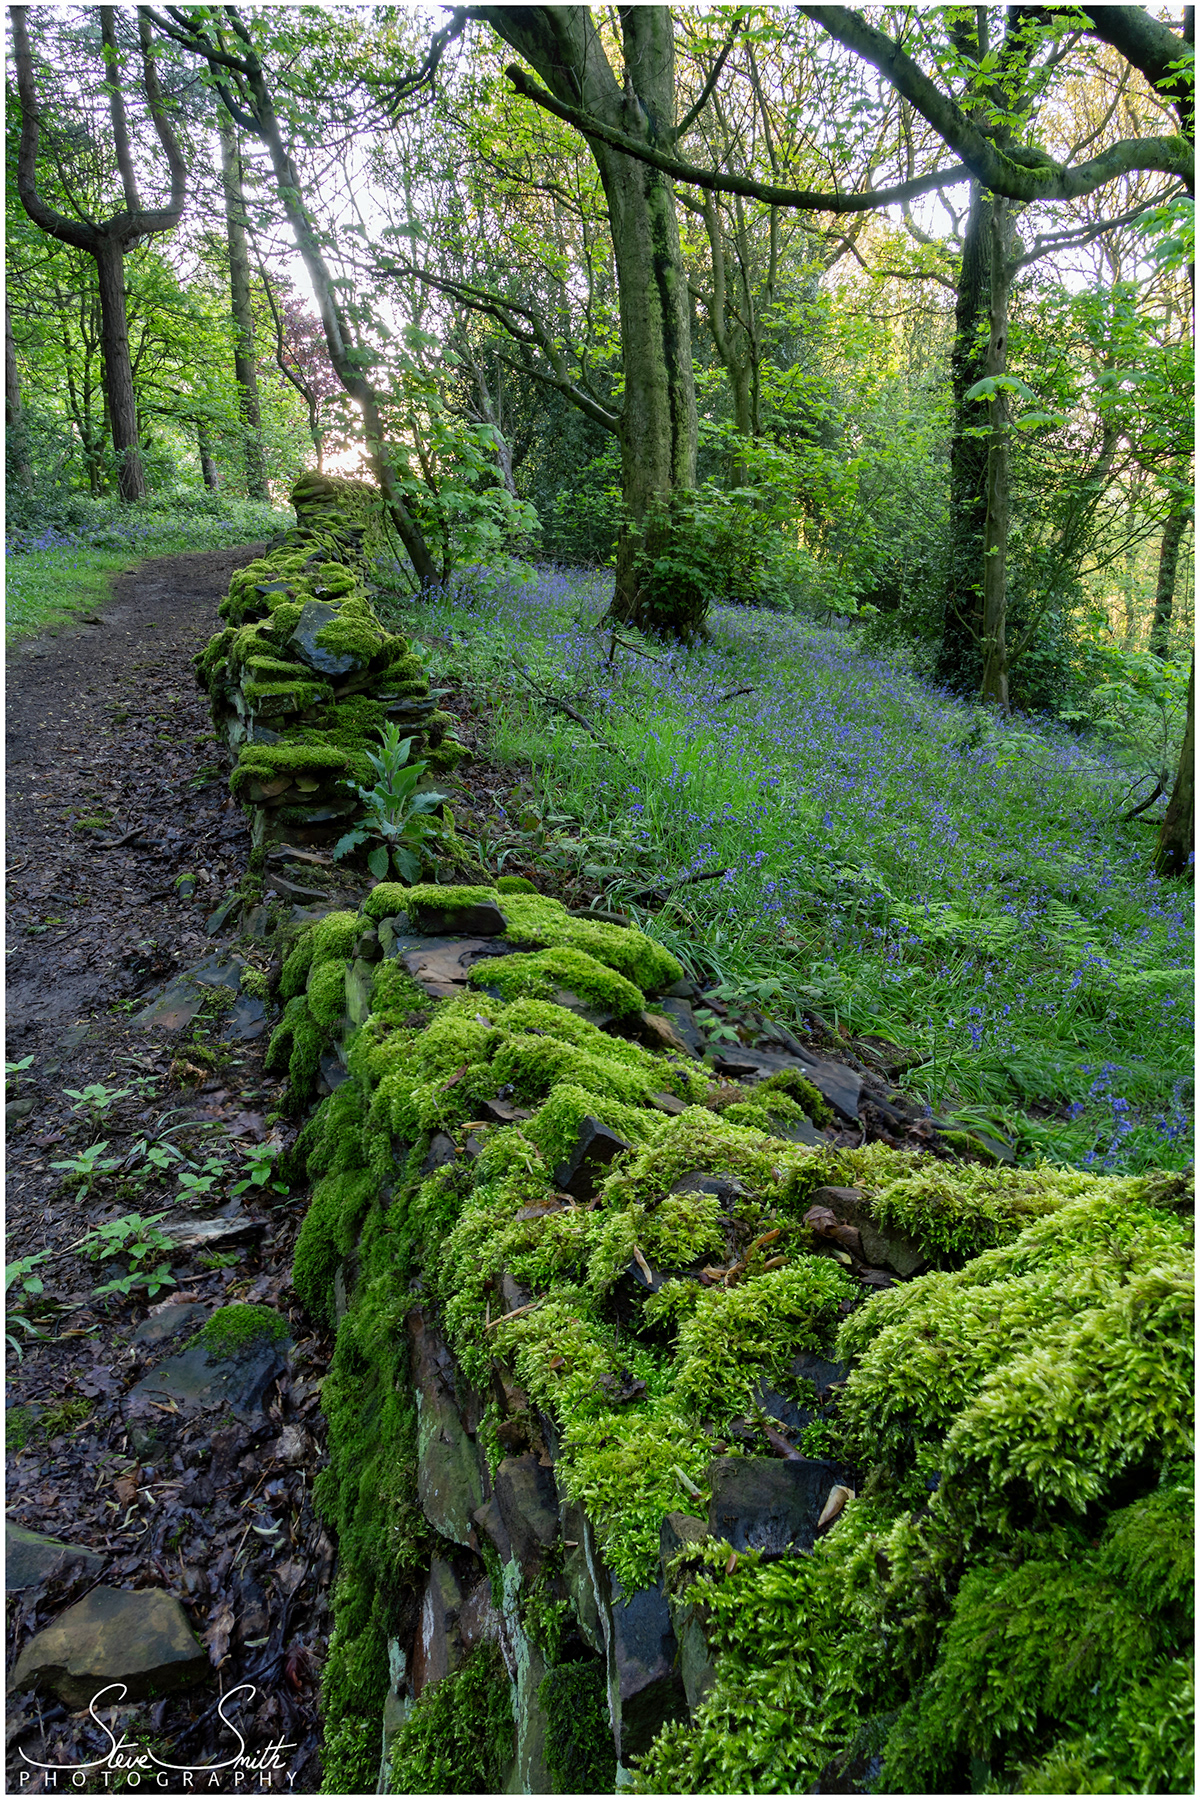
22,1273
397,815
197,1186
12,1070
153,1280
260,1168
96,1100
89,1166
132,1236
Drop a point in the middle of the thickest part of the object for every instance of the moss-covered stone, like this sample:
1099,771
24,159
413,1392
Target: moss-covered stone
232,1330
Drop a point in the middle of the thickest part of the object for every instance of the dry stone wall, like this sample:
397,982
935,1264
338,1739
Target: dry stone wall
617,1438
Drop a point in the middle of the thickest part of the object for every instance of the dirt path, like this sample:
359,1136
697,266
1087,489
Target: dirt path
114,795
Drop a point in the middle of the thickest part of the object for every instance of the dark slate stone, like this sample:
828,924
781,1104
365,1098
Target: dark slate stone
198,1382
490,1521
483,919
29,1557
528,1502
837,1083
333,1073
796,1131
303,642
761,1503
886,1246
677,1532
246,1019
142,1639
594,1149
680,1013
442,1150
163,1325
844,1203
643,1649
725,1187
821,1372
179,1002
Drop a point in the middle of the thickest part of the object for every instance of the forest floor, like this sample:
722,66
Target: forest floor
113,796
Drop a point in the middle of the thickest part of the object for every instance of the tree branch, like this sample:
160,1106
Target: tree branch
719,183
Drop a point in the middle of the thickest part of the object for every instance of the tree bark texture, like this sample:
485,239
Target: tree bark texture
19,465
244,367
962,618
107,242
1175,853
658,424
994,682
1168,569
208,467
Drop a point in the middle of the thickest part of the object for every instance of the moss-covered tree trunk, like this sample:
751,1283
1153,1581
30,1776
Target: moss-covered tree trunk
19,467
658,427
1168,569
244,368
1176,850
962,617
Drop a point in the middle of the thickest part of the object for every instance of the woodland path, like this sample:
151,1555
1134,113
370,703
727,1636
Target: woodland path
114,792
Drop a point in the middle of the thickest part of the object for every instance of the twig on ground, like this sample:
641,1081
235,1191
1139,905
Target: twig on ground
1135,810
564,706
734,695
669,887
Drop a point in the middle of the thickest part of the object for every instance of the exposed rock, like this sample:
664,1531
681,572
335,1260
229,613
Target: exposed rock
212,1234
449,1481
796,1131
438,1649
141,1639
642,1659
482,918
360,981
697,1664
245,1021
669,1103
759,1503
29,1557
167,1321
16,1110
333,1072
888,1247
196,1381
303,642
179,1002
843,1202
490,1520
528,1501
660,1033
840,1085
577,1574
478,1619
680,1013
820,1371
440,966
442,1150
594,1148
499,1112
725,1187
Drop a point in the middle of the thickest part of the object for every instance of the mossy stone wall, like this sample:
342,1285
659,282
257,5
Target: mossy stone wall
1000,1597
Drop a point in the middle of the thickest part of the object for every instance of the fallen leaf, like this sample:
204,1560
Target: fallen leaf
218,1634
732,1564
833,1507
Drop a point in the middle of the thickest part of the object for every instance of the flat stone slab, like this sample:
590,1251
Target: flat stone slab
179,1002
29,1557
213,1234
682,1017
840,1085
760,1503
195,1381
482,919
163,1325
440,965
528,1502
142,1640
247,1020
314,617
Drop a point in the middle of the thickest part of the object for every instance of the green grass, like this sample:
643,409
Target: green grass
46,588
899,862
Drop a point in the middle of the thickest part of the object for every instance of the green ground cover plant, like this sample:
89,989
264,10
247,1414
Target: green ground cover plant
889,857
55,573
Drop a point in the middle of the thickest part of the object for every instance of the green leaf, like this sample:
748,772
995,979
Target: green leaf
377,862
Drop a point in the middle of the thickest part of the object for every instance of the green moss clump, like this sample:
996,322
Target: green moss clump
447,899
579,1750
535,919
19,1425
232,1330
459,1737
332,937
385,899
254,982
328,1234
556,1127
514,884
326,992
807,1097
541,974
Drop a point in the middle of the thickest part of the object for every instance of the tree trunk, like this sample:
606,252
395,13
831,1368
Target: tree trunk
208,467
118,371
245,371
994,684
1168,568
658,424
1175,853
19,465
962,619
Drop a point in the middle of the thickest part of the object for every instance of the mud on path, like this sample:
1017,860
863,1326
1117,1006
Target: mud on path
115,793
